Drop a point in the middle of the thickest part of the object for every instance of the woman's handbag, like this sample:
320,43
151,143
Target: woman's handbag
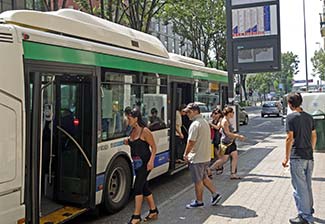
223,148
137,162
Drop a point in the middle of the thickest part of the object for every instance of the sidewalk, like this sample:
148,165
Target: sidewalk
264,195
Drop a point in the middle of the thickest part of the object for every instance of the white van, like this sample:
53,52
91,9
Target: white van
312,103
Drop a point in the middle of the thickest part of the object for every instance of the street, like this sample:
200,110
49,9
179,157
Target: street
167,188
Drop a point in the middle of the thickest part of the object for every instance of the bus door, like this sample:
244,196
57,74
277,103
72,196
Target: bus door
62,141
181,93
75,132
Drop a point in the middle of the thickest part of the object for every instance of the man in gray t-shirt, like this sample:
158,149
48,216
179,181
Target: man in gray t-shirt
198,154
300,143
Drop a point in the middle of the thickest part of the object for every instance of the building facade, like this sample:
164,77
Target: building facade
172,41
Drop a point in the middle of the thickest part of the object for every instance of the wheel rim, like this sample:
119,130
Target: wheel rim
117,184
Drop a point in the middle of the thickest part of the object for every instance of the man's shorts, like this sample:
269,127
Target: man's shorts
198,171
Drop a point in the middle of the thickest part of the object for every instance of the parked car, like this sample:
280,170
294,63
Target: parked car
243,115
271,108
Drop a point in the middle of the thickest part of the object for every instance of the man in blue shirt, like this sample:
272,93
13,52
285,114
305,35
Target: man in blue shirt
300,143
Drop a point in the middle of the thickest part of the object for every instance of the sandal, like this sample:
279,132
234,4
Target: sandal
153,215
135,217
234,176
219,170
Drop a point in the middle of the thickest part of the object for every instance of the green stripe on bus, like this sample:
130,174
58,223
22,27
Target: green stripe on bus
45,52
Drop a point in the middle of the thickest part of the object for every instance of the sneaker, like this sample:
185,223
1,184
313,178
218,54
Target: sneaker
195,204
216,199
298,220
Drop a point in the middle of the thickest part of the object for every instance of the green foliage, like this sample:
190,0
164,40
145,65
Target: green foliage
265,82
244,103
261,82
203,23
318,61
136,14
45,5
289,65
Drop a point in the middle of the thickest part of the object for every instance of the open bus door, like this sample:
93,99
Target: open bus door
181,93
61,163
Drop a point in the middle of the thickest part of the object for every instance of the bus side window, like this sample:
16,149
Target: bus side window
112,111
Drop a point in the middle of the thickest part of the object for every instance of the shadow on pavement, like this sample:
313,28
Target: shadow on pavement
270,176
235,212
317,220
172,206
277,137
321,179
256,180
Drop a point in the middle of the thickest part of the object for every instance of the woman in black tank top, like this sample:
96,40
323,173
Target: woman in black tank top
143,162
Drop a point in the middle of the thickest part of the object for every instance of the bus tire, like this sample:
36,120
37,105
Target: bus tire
117,186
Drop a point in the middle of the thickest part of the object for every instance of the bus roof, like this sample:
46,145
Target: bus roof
88,36
79,24
184,59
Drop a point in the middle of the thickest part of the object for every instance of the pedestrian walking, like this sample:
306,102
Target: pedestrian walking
197,154
215,125
140,141
228,145
300,144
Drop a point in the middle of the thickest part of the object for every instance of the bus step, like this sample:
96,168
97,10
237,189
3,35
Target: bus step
62,215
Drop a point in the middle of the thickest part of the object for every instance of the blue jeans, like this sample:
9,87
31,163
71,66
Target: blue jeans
301,174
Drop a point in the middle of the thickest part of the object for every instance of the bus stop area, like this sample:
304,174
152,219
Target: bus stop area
263,195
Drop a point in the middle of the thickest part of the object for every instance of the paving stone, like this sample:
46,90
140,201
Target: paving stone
264,195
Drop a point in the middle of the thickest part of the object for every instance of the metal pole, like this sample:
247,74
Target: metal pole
305,46
229,52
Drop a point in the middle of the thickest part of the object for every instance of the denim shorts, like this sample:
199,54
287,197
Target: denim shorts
198,171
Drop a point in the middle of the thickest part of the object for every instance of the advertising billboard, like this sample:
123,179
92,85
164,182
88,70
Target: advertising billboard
253,36
254,21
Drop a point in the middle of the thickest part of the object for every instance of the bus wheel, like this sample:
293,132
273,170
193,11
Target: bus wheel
117,186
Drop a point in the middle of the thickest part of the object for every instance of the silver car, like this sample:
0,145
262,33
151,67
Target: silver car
271,108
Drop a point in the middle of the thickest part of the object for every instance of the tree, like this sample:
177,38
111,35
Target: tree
265,82
201,22
45,5
289,68
318,61
53,5
136,14
141,12
260,82
219,38
106,9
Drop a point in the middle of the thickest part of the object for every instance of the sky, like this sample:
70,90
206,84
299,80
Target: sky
292,32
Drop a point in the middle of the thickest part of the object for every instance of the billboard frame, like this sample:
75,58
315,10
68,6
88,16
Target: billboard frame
270,41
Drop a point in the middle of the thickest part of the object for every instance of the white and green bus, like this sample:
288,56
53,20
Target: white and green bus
65,79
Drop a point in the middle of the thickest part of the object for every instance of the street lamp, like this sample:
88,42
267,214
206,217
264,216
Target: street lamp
305,45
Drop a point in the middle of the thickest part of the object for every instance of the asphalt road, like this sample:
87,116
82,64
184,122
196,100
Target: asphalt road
166,187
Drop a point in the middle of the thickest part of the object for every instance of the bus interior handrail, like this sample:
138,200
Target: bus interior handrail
77,144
